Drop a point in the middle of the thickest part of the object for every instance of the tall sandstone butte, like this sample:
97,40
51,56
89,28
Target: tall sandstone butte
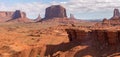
18,14
55,11
11,15
115,20
116,14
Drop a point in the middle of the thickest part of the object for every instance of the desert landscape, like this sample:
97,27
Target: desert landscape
57,35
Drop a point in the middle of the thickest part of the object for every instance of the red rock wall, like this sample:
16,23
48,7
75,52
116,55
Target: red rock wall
75,34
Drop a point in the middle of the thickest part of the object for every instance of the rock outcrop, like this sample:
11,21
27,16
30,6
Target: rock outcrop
55,11
101,38
116,14
103,41
38,18
18,14
6,16
115,20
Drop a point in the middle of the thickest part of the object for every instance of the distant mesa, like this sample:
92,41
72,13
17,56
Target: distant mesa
18,14
7,16
55,11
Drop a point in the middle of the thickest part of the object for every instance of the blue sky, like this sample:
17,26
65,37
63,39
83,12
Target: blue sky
82,9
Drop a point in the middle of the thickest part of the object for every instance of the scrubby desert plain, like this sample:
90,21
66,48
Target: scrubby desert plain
57,35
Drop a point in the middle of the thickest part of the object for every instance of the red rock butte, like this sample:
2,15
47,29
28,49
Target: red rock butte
6,16
115,20
55,11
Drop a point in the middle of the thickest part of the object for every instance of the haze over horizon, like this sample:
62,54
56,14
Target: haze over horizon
82,9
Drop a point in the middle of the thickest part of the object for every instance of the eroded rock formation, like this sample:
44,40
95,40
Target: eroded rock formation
20,51
55,11
76,34
5,16
101,37
116,14
38,18
8,16
18,14
115,20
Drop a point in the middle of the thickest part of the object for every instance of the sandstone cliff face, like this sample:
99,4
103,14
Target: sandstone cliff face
55,11
5,16
115,20
19,16
101,37
75,34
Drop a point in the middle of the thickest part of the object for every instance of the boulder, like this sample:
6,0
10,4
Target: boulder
76,34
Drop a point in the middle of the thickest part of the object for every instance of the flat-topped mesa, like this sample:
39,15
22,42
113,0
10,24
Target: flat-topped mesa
116,14
18,14
5,14
55,11
10,15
